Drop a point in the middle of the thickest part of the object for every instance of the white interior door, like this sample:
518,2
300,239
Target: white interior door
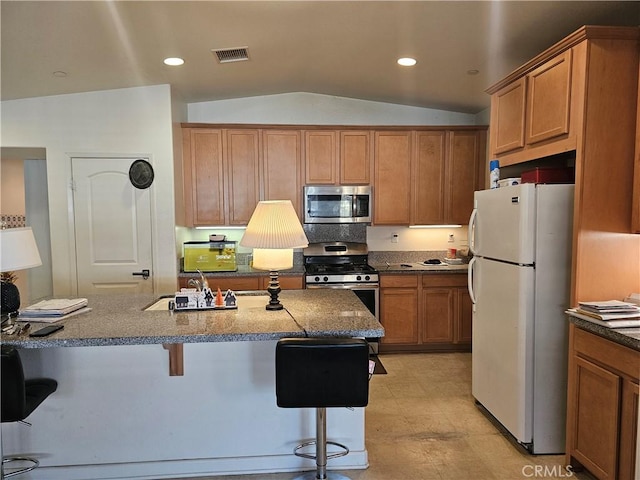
112,227
502,344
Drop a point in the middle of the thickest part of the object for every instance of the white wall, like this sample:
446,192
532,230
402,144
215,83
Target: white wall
116,122
314,109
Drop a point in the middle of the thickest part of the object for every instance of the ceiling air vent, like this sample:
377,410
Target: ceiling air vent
226,55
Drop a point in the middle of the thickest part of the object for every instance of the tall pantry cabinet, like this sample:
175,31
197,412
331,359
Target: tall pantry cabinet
575,105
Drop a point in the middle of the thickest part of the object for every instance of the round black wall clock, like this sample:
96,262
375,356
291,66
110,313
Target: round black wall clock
141,174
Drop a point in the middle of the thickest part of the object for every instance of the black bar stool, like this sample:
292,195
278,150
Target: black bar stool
319,373
20,398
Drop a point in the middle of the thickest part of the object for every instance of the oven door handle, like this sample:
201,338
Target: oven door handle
351,286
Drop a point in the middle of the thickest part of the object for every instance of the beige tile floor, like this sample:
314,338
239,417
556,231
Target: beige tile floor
422,424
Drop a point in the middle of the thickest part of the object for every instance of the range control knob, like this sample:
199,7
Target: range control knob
326,279
317,279
367,278
358,278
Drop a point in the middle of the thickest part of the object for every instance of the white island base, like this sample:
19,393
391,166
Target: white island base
117,414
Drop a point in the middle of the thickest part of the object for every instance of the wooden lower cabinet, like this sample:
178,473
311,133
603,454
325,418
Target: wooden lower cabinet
399,309
602,406
247,282
425,312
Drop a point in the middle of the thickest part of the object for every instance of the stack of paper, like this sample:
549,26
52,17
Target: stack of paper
611,313
54,309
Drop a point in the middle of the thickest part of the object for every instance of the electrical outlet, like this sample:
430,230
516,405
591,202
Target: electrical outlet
394,238
451,238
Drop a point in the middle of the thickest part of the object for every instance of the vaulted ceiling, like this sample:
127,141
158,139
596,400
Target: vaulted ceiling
340,48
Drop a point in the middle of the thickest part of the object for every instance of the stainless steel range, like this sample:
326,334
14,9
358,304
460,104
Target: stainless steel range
344,265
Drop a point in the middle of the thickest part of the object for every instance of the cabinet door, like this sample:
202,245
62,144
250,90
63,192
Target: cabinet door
429,178
282,166
465,149
243,185
321,157
392,183
595,423
548,99
286,283
628,430
355,158
462,317
204,192
399,315
507,117
437,315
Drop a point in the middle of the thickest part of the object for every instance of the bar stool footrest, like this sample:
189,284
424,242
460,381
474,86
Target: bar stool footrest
345,450
21,470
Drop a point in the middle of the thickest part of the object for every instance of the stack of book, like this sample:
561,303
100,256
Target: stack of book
611,313
54,309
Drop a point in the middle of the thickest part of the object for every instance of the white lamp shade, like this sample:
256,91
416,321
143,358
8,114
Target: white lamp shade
274,225
272,258
18,249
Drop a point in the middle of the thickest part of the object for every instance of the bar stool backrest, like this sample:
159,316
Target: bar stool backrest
322,372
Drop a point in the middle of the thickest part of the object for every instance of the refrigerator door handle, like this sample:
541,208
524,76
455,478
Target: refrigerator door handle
470,281
472,230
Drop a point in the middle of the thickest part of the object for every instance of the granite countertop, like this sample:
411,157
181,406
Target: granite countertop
420,268
628,337
245,270
120,320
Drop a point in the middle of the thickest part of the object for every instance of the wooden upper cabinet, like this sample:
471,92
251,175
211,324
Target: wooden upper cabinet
355,157
429,178
507,117
334,157
533,108
203,177
242,172
321,157
447,170
392,184
548,99
466,149
282,164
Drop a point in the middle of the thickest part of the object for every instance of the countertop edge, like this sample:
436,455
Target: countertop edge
615,335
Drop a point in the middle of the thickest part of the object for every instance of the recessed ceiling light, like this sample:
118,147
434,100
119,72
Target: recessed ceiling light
473,72
407,61
173,61
59,74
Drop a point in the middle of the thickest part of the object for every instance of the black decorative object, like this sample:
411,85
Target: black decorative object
10,298
274,290
141,174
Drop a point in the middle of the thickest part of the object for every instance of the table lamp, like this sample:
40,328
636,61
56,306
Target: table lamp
18,251
273,231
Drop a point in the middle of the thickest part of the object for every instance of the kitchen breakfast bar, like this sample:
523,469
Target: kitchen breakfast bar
122,411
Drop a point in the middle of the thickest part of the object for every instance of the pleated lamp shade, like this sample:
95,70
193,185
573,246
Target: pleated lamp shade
18,249
274,230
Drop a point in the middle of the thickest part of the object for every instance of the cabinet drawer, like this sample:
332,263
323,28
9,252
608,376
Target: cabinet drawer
399,281
606,352
446,280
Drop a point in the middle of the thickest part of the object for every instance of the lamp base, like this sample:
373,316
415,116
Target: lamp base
9,298
274,290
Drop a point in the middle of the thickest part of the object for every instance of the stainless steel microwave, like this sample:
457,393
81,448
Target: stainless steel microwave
337,204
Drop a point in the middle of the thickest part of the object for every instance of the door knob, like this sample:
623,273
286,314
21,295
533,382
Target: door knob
144,274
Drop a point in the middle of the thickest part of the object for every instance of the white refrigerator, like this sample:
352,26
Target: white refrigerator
519,282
